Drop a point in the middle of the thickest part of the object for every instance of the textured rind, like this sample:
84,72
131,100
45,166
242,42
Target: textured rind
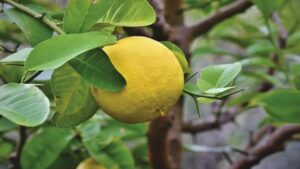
154,80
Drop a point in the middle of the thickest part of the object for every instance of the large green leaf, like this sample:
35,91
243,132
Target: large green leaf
73,101
264,77
207,51
11,73
34,30
293,39
95,144
6,148
44,147
18,57
125,132
96,68
282,105
121,154
90,129
268,6
81,16
112,153
55,52
261,47
258,61
6,125
218,76
24,104
105,147
179,55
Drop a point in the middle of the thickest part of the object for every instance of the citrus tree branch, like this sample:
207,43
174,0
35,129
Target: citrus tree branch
226,12
35,14
197,127
16,158
157,141
274,143
161,28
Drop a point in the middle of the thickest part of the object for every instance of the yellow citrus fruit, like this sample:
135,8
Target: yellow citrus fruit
154,80
90,164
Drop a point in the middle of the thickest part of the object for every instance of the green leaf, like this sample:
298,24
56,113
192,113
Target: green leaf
44,147
293,39
179,55
73,100
118,151
204,100
257,61
56,51
81,16
34,30
122,130
267,7
110,152
95,145
6,148
141,154
260,47
218,76
96,68
282,105
195,93
264,77
242,99
90,129
66,161
105,147
18,57
6,125
24,104
10,73
192,88
204,51
219,90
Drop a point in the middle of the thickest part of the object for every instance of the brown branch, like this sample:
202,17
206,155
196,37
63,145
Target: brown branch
274,143
258,136
141,31
226,12
157,140
172,14
174,136
161,28
162,139
283,34
16,158
224,118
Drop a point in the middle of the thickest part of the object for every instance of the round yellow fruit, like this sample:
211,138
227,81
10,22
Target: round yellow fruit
154,80
90,164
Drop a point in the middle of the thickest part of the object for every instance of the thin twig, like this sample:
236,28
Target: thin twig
274,143
5,49
36,15
208,23
16,158
32,77
197,127
161,28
